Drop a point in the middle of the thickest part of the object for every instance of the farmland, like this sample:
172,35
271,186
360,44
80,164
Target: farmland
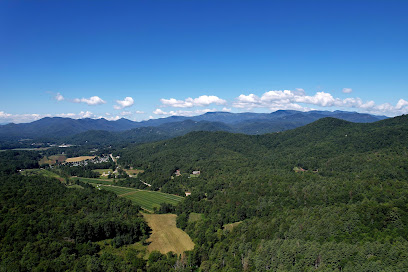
166,236
148,200
81,158
94,180
52,159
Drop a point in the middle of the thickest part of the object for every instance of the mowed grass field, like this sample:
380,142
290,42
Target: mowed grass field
81,158
148,200
165,235
94,180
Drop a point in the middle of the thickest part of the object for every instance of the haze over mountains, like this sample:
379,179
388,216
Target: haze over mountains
51,128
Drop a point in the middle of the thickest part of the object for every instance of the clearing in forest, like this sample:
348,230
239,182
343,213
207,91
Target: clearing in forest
133,172
231,226
54,159
148,200
94,180
165,235
81,158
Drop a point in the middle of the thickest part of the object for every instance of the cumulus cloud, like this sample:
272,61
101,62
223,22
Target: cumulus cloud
4,115
139,112
112,118
347,90
201,101
182,112
126,113
92,101
59,97
298,100
401,104
80,115
127,102
26,118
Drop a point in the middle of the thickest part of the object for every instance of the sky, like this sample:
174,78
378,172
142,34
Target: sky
152,59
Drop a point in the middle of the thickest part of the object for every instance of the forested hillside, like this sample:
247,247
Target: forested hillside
45,226
328,196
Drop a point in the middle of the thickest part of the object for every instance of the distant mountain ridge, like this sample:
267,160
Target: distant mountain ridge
248,123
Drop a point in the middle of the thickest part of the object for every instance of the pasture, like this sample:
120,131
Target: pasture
94,180
166,236
81,158
148,200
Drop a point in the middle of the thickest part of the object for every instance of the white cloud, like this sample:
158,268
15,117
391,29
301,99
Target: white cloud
226,109
127,102
298,100
59,97
201,101
94,100
182,112
26,118
347,90
139,112
401,104
4,115
19,118
80,115
159,112
126,113
112,118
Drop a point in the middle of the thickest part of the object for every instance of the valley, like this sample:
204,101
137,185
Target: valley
322,196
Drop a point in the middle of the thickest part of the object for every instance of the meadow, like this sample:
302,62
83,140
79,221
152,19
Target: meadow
148,200
165,235
81,158
94,180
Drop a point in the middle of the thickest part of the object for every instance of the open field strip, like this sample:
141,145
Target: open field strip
94,180
81,158
166,236
126,194
145,199
118,190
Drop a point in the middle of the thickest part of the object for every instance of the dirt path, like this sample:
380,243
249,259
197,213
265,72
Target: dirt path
165,235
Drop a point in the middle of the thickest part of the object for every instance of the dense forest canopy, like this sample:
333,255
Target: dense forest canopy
329,196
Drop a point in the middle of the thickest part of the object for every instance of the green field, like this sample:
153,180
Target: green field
193,217
93,180
118,190
43,172
145,199
101,171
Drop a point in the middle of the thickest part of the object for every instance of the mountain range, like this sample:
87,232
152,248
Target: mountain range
53,128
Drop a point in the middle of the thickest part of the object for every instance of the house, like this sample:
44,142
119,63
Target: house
177,173
188,193
196,172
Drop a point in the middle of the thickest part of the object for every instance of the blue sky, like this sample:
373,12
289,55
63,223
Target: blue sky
151,59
